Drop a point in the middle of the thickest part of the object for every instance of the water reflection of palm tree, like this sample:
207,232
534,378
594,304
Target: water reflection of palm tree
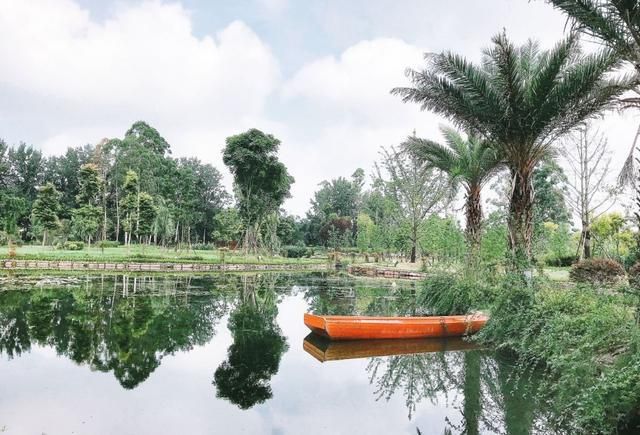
258,345
471,389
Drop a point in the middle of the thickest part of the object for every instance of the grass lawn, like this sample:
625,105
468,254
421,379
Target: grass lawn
557,273
148,254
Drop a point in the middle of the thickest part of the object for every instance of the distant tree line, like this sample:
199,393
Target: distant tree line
126,190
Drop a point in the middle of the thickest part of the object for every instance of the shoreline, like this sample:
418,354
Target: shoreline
385,272
15,264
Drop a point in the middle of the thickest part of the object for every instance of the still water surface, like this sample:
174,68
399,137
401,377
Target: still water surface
224,354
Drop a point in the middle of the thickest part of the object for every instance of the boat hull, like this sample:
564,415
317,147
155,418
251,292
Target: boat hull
367,328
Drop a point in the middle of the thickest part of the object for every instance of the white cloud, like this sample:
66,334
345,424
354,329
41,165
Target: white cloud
350,98
142,63
68,78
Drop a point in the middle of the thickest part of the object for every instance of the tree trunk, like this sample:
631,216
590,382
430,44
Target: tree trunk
473,210
44,238
138,215
117,214
520,221
414,242
587,242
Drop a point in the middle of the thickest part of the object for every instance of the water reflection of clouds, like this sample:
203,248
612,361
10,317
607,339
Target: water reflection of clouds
45,393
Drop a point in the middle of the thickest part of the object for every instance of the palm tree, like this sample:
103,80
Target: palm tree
521,99
617,24
469,162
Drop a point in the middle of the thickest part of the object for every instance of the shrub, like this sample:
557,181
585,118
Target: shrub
562,261
634,275
107,244
446,294
597,271
204,247
73,246
4,238
295,252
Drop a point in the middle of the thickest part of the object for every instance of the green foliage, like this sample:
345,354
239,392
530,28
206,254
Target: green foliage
520,98
611,237
366,233
108,244
554,244
337,232
295,251
90,185
261,181
416,191
146,215
72,246
289,230
597,271
446,294
85,222
549,184
493,249
45,209
442,240
228,226
613,22
471,162
340,197
584,345
258,345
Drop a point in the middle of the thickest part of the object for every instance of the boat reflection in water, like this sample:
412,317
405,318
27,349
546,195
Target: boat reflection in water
324,349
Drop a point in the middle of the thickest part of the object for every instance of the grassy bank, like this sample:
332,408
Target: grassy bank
149,254
584,342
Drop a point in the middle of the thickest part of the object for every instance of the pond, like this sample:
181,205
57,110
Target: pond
107,354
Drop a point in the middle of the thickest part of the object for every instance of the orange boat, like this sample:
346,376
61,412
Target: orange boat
366,328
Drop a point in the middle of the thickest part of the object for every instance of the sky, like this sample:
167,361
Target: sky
316,74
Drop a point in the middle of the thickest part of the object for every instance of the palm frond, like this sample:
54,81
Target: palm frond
615,22
627,176
519,99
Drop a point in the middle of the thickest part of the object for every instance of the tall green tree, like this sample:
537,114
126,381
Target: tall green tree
146,216
85,220
25,175
341,198
470,162
416,190
46,208
261,182
520,99
129,204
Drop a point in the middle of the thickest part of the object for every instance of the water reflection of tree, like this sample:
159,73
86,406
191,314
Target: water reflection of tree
416,377
258,345
345,295
121,324
494,395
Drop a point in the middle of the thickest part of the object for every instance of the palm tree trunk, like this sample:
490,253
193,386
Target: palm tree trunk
473,210
472,390
520,219
414,242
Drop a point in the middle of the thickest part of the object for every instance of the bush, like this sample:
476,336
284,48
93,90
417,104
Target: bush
73,246
448,294
107,244
295,252
634,275
597,271
204,247
562,261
